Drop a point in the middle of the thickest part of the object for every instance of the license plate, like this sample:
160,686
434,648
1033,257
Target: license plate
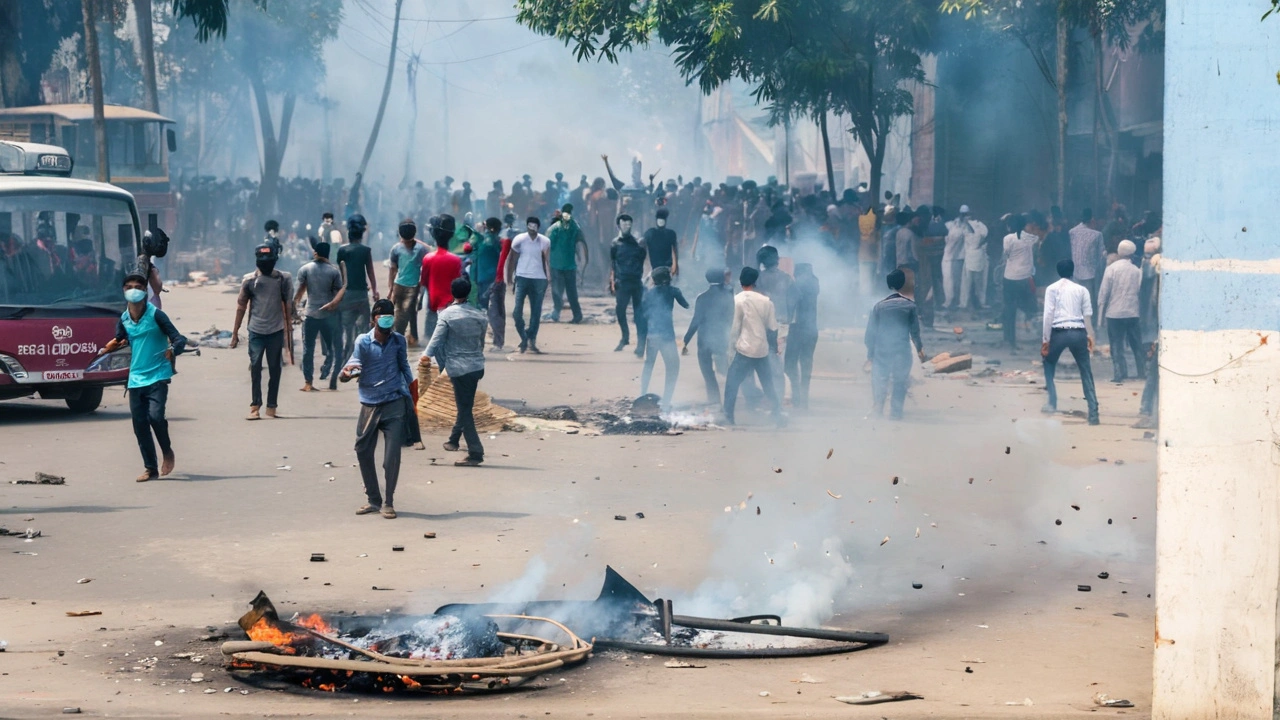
63,375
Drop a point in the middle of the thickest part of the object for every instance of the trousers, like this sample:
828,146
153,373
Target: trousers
564,284
387,419
973,284
1121,331
405,300
670,367
147,406
742,367
890,375
353,321
711,360
1077,341
630,291
464,396
270,345
1151,389
929,287
535,289
952,279
328,330
1018,295
798,363
497,304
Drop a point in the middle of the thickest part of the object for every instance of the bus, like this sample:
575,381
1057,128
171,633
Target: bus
65,246
139,144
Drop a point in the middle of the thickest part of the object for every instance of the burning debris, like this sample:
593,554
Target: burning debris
435,653
642,416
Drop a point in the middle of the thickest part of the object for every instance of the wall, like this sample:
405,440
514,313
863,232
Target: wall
1218,524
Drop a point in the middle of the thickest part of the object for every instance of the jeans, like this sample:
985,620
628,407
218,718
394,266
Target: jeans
429,325
353,321
629,290
742,367
535,290
1119,332
271,345
867,278
146,406
890,369
388,419
497,304
974,284
952,279
670,367
327,329
1077,341
709,361
798,361
405,300
565,283
464,396
1018,294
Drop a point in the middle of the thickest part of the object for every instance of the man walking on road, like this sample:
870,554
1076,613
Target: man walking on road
458,347
712,320
439,269
498,293
1118,301
657,306
153,341
321,282
754,336
1067,312
265,296
528,271
564,236
894,325
802,335
626,282
406,273
355,260
381,363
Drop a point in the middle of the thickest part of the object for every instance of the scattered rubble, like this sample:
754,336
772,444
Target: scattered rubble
43,479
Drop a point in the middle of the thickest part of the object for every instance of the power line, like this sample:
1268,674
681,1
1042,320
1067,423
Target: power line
482,57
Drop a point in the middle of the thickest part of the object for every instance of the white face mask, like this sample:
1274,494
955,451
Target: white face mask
566,217
533,229
662,222
625,227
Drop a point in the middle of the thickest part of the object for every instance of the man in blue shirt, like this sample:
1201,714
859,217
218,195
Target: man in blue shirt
893,327
153,341
381,362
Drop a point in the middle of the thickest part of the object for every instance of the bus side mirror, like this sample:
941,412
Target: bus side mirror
171,138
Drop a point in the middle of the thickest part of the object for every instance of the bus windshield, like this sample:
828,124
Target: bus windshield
64,248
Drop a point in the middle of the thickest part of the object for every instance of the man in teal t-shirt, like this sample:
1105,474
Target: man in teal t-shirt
406,273
153,341
564,235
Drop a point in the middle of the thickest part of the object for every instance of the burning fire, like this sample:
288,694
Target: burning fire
314,622
264,631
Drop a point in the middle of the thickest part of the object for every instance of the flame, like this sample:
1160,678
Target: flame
315,622
264,631
327,687
409,682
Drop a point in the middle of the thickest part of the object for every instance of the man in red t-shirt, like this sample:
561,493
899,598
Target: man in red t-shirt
439,269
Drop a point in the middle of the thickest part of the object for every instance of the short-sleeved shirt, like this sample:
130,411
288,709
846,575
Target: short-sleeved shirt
660,243
564,245
266,296
439,269
1019,249
323,281
408,263
529,255
357,257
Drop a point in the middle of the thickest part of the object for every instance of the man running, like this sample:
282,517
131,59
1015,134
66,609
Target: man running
265,297
458,347
321,282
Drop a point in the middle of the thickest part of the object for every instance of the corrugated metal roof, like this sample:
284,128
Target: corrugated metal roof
80,111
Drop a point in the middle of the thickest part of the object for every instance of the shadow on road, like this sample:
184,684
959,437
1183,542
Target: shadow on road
86,509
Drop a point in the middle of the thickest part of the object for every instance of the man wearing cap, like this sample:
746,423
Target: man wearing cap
1118,303
1066,326
322,284
265,296
564,236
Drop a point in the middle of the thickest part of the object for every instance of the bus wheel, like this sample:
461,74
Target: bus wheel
87,401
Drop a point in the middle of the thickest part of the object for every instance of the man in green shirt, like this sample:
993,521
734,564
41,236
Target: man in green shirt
564,235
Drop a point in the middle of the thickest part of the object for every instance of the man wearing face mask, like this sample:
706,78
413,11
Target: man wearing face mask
265,296
381,361
153,340
322,284
564,236
528,272
661,244
328,232
626,282
406,273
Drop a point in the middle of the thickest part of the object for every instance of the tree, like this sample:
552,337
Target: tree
30,33
849,57
209,18
90,10
386,92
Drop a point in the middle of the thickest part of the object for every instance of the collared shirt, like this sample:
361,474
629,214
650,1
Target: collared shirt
712,318
1118,296
894,324
266,296
149,338
458,341
1087,251
1066,307
1019,255
528,252
754,318
322,281
384,368
408,263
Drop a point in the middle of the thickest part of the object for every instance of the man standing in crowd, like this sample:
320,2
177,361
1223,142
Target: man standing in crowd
802,333
1118,303
438,271
774,284
974,282
458,347
953,257
266,297
1150,323
1019,267
381,362
626,273
528,273
661,245
498,293
754,335
153,341
712,320
1089,256
893,327
930,249
657,305
328,233
355,260
484,261
564,236
322,284
1066,327
406,273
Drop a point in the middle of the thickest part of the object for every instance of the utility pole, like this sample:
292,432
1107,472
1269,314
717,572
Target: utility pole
89,8
444,109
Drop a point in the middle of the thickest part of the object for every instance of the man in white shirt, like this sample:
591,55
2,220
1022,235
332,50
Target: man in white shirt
754,336
971,258
1067,312
1089,254
1019,267
528,268
1118,303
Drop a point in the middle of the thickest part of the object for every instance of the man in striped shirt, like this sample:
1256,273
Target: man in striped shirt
1067,312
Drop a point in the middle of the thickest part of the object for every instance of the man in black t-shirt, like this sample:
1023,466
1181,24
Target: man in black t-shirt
661,244
355,259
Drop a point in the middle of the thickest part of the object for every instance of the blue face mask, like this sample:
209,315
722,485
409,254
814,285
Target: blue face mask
134,295
386,321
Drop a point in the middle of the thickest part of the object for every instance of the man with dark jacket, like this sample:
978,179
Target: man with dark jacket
712,319
626,282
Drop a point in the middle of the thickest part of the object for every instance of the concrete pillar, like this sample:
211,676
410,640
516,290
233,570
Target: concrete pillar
1218,520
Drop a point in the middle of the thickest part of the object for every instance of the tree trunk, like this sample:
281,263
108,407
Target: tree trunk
826,151
273,145
1099,197
147,51
386,91
1061,82
14,89
89,9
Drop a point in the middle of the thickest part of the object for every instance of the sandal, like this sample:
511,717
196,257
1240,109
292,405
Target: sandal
367,509
388,512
